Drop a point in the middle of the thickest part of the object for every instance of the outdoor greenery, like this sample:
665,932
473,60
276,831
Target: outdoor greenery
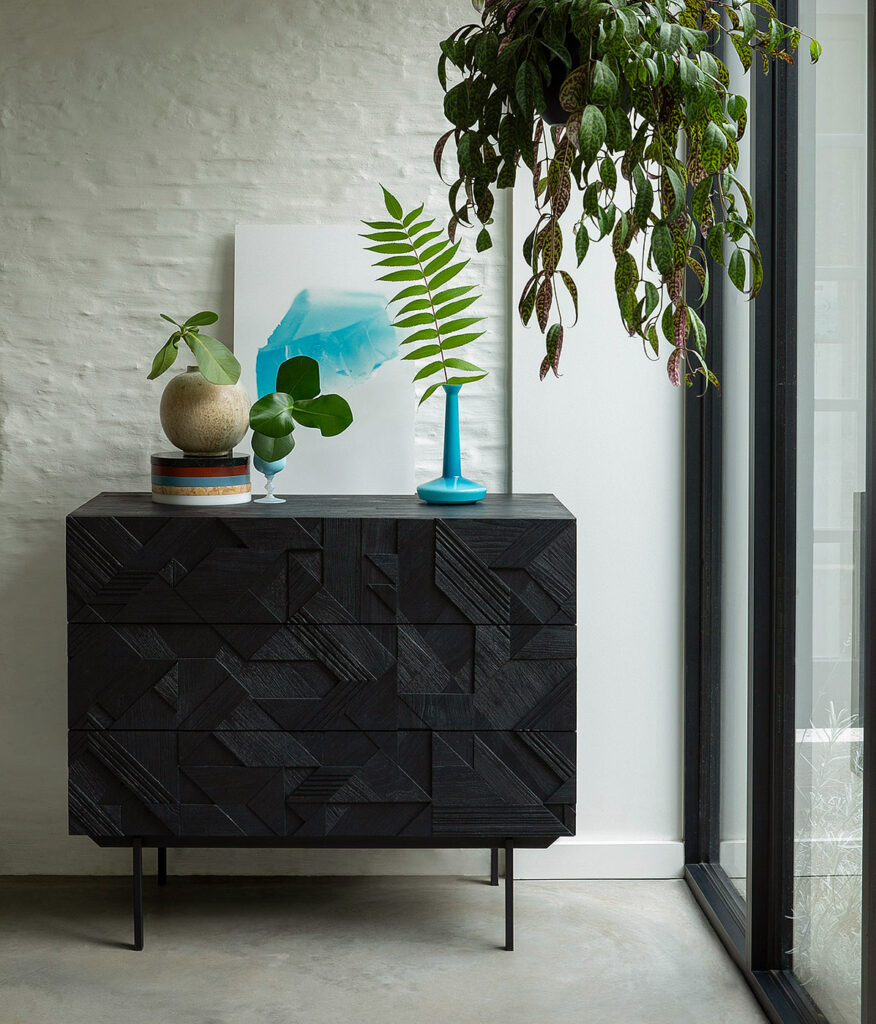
296,400
215,361
414,253
648,132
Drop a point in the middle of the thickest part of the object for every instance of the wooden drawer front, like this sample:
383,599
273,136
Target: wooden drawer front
172,676
332,784
159,569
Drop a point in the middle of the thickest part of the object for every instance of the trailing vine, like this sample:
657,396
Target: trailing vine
648,131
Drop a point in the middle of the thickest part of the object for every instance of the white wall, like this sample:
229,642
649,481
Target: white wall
135,134
606,438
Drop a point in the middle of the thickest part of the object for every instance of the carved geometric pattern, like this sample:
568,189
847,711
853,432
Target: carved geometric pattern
235,568
343,668
319,784
352,677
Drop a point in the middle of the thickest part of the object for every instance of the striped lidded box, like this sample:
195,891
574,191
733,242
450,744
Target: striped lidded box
179,479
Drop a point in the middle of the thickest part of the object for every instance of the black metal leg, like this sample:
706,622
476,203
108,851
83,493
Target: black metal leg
162,865
494,866
509,894
138,893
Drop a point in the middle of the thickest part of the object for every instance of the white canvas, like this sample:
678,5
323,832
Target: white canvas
273,265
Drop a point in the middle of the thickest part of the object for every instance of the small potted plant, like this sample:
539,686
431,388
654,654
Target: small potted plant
296,400
648,135
204,411
434,311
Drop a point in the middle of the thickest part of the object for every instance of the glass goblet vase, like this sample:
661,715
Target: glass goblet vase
269,470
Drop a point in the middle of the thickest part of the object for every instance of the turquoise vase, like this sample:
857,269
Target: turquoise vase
451,488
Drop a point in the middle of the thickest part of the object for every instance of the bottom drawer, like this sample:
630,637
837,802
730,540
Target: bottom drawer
321,785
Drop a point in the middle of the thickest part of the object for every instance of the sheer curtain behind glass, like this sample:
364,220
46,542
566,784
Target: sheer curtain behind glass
830,476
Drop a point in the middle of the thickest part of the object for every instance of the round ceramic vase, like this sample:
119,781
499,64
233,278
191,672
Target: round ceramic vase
202,418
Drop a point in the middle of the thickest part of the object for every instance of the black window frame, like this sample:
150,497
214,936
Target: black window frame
756,930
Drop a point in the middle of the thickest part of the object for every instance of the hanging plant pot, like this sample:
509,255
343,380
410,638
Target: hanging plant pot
554,112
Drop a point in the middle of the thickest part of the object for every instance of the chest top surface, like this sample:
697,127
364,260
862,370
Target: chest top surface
392,506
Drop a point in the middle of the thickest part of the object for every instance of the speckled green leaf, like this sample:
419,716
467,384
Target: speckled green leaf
527,303
736,269
603,87
572,289
592,134
582,244
713,147
742,49
554,347
661,248
572,90
543,300
714,243
626,274
608,173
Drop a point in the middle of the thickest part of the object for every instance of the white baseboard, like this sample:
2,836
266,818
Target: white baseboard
567,858
581,858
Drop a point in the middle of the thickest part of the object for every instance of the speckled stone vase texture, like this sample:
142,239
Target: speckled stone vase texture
202,418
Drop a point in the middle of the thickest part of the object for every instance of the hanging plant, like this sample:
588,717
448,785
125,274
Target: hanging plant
648,133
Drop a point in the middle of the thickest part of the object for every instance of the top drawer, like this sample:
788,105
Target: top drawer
243,568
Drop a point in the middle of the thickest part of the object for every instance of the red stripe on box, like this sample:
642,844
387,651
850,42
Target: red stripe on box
200,470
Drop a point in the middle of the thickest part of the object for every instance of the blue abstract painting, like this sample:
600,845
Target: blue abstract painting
347,333
311,290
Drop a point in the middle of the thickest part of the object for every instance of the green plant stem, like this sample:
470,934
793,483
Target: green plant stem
431,303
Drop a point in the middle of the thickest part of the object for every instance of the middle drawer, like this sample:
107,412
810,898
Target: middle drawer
290,677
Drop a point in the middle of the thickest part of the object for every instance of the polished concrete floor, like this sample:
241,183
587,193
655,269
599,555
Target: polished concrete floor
412,950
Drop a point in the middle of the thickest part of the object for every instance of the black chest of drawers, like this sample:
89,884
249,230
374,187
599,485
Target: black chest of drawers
335,671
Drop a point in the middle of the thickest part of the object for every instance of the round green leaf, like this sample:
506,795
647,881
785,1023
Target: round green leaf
329,413
272,415
299,377
272,448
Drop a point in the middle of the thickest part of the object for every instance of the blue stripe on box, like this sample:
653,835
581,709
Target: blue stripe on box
200,481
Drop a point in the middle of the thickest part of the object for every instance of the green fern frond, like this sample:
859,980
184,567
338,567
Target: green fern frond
432,314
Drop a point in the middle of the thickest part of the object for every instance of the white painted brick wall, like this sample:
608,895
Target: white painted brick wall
134,134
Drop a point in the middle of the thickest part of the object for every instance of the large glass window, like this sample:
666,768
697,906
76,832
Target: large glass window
735,402
831,449
781,851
